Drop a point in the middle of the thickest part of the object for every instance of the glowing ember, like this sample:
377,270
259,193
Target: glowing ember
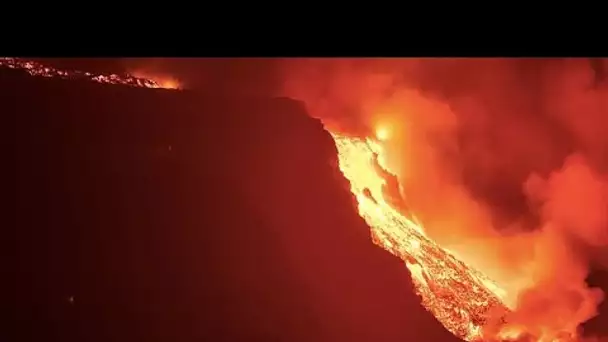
459,297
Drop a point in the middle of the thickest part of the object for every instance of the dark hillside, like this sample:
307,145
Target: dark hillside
154,215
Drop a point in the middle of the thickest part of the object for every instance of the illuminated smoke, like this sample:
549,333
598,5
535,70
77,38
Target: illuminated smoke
502,160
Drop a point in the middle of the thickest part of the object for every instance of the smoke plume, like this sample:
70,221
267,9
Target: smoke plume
504,162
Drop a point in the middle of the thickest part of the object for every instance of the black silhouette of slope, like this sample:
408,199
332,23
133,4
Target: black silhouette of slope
154,215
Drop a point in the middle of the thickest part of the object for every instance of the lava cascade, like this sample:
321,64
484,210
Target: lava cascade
461,298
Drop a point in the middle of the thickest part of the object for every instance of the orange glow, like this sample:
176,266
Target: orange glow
477,283
168,83
382,133
163,81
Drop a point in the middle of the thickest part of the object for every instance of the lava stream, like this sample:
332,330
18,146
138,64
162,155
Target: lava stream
460,297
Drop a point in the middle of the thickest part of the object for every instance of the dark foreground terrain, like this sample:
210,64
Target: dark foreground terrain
153,215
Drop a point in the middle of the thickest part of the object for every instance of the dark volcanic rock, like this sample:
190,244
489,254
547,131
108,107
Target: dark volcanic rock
152,215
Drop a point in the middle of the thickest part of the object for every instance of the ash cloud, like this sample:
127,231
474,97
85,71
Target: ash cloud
504,161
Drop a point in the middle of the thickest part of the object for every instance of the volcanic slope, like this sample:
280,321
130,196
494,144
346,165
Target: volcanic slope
158,215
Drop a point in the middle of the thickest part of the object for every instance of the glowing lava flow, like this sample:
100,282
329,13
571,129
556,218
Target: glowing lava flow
458,296
37,69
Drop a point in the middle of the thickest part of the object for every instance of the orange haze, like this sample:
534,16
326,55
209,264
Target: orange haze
504,162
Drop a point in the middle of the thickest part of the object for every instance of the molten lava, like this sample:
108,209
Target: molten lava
37,69
461,298
382,133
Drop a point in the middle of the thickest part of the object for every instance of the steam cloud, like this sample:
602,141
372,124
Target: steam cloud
504,161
